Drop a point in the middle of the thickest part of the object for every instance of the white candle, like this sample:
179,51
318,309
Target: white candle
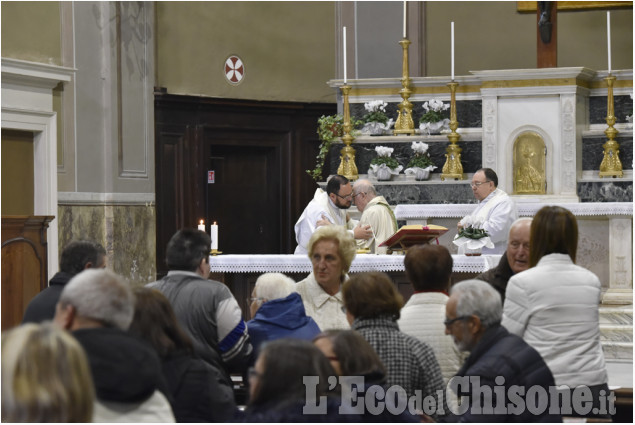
344,52
214,234
201,225
608,36
405,14
452,48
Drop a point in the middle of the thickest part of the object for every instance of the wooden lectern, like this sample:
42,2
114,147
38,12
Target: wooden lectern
413,234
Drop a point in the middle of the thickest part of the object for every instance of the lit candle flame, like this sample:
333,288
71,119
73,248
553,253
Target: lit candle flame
201,222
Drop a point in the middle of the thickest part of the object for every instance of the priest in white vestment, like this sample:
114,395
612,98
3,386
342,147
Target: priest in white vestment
496,210
376,213
329,208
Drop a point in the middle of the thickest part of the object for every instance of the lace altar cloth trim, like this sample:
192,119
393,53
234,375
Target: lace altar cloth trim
361,263
580,209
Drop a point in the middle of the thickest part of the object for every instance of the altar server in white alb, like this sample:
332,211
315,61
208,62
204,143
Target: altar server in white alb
496,210
329,208
376,213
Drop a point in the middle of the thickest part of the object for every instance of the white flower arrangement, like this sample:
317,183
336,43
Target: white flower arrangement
375,106
376,121
384,165
420,165
419,147
384,151
432,120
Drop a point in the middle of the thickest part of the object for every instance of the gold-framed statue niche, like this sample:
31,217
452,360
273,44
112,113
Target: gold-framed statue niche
529,161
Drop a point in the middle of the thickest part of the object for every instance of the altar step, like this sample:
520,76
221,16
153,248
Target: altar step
616,332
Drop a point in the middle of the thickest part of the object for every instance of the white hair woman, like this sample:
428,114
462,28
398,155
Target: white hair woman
331,250
278,312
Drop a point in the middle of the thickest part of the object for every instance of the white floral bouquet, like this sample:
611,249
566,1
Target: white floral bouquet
420,164
376,121
432,120
384,163
472,235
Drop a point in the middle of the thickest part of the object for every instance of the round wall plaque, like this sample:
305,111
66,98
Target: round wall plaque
234,70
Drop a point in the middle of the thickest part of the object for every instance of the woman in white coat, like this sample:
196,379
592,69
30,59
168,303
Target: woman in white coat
554,306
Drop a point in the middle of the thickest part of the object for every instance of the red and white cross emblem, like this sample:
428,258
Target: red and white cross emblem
234,69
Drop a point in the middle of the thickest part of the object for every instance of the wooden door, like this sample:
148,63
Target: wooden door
245,198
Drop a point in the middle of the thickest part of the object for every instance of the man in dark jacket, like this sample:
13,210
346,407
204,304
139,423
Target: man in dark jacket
500,379
514,260
97,306
76,257
205,308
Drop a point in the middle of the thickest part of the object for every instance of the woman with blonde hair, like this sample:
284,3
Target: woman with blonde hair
331,250
45,376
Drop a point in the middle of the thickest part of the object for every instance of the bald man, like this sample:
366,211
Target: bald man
375,212
514,260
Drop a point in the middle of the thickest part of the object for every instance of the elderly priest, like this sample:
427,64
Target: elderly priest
496,210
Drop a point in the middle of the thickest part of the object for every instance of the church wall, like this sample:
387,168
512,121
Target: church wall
288,49
127,232
31,31
493,35
105,128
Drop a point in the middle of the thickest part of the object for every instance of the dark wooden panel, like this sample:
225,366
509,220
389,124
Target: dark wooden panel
24,264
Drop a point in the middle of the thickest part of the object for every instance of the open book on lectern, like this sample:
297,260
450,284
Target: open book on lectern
413,234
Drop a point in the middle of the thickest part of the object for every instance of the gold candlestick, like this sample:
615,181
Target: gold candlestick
347,166
611,165
453,169
404,123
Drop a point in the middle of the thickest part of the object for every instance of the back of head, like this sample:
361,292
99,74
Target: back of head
45,376
155,322
490,175
186,249
271,286
554,230
77,254
355,355
365,186
334,182
101,295
286,362
370,295
347,248
480,299
428,267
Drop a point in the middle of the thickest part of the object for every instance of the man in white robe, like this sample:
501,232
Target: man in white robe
376,213
496,210
329,208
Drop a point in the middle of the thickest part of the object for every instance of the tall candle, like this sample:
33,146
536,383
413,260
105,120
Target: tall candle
452,48
344,50
214,234
405,14
201,225
608,37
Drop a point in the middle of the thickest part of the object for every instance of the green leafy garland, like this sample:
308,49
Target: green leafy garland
329,129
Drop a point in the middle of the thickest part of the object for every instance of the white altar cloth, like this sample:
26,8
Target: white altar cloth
525,209
362,263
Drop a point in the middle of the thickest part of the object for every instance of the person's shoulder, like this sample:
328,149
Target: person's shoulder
418,346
